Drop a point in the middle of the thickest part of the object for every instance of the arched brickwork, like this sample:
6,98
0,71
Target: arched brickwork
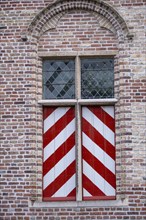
49,16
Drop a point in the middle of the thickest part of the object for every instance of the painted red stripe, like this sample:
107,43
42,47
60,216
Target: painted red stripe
51,199
97,138
60,180
48,111
91,187
99,167
58,127
59,154
103,116
72,193
99,198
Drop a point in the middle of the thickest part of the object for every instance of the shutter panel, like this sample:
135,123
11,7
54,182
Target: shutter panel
98,151
59,170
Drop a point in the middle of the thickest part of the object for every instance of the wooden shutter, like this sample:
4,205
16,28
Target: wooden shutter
59,170
98,151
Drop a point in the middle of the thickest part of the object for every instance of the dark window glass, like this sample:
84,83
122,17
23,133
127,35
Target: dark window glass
97,78
58,79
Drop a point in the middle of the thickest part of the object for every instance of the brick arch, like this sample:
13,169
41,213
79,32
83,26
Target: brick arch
49,16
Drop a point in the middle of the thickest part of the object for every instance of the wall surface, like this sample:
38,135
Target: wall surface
25,39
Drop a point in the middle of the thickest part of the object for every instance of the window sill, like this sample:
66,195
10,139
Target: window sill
67,204
97,101
55,102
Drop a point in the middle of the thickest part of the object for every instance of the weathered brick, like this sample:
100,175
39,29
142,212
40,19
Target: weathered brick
74,31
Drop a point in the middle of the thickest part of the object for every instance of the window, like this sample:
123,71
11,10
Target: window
79,129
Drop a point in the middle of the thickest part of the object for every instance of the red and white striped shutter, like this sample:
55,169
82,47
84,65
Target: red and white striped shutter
59,169
98,150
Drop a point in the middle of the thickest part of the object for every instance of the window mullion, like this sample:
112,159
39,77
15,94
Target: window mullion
78,129
78,77
78,152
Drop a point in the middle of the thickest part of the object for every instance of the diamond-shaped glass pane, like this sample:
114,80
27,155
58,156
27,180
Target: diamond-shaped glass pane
59,79
97,77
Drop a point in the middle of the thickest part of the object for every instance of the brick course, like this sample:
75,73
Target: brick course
75,31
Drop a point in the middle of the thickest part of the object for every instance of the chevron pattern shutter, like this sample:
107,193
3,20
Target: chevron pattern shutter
98,150
59,169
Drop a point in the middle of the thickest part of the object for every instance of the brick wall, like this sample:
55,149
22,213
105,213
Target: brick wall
76,31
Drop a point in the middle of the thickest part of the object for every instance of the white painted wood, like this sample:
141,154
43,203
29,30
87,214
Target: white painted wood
66,188
98,180
86,193
59,168
101,155
109,110
107,133
54,117
59,139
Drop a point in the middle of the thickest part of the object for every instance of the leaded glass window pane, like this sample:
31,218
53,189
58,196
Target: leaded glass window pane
58,79
97,78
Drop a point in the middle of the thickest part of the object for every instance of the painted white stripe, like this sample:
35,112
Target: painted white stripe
98,180
109,110
59,168
101,155
107,133
66,188
59,140
86,193
54,117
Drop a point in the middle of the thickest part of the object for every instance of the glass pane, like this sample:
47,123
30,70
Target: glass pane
97,77
58,79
